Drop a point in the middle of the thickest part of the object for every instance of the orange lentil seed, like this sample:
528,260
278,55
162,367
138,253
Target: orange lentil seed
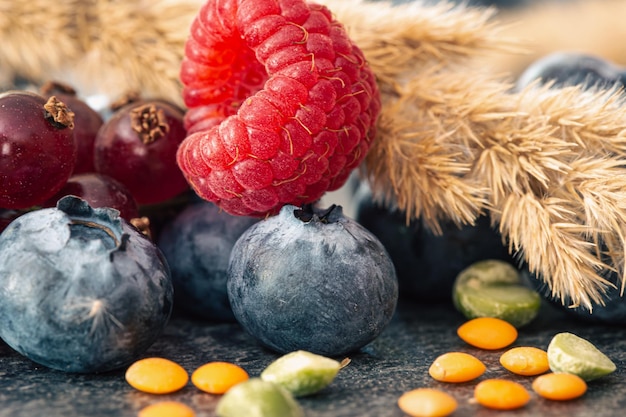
427,402
156,376
218,377
456,367
166,409
501,394
525,360
559,386
488,333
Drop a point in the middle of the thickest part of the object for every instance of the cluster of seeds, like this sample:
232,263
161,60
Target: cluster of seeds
157,375
572,360
272,393
560,373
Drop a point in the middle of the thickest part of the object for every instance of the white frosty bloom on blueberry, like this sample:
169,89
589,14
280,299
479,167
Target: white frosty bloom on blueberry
81,290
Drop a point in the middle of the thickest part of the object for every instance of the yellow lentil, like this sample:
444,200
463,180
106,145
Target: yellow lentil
427,402
218,377
166,409
456,367
501,394
488,333
559,386
156,376
525,360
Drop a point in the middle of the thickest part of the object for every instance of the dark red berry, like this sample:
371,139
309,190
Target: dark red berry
99,190
87,122
137,147
37,149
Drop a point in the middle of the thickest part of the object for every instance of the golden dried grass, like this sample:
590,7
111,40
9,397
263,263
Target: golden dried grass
98,46
455,141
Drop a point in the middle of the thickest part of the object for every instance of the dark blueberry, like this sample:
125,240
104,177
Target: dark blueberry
569,68
313,280
81,290
612,311
427,263
197,245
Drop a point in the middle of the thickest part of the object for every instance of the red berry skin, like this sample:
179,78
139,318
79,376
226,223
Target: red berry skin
99,191
282,105
87,122
37,154
144,160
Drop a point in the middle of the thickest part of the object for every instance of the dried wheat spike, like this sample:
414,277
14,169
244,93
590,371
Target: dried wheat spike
455,142
34,40
100,46
400,39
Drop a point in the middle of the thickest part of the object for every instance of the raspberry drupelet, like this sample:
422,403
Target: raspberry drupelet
282,105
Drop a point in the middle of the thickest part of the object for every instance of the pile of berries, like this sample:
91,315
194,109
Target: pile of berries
52,143
281,107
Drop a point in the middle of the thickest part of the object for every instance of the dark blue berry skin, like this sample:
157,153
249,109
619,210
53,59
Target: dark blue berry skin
311,279
564,69
81,290
197,245
612,312
427,264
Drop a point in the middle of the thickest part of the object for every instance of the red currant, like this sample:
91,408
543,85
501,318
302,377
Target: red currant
87,122
137,146
37,149
99,191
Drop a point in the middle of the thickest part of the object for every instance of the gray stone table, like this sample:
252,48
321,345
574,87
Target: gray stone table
369,386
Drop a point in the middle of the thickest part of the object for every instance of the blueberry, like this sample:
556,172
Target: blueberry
197,245
81,290
612,311
570,68
427,263
311,279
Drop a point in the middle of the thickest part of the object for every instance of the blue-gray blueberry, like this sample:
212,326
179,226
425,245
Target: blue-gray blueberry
312,279
427,263
563,69
197,245
81,290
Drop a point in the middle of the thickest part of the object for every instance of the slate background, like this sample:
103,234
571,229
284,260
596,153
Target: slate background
369,386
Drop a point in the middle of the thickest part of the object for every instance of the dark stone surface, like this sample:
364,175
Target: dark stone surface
396,362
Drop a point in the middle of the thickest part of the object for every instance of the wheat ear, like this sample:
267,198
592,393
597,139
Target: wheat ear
456,142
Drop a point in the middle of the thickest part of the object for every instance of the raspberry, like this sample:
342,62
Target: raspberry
282,105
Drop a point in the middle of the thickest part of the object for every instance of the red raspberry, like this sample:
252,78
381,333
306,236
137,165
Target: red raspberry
281,104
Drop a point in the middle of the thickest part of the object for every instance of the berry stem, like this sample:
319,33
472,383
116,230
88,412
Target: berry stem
329,215
131,96
149,122
59,114
52,87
